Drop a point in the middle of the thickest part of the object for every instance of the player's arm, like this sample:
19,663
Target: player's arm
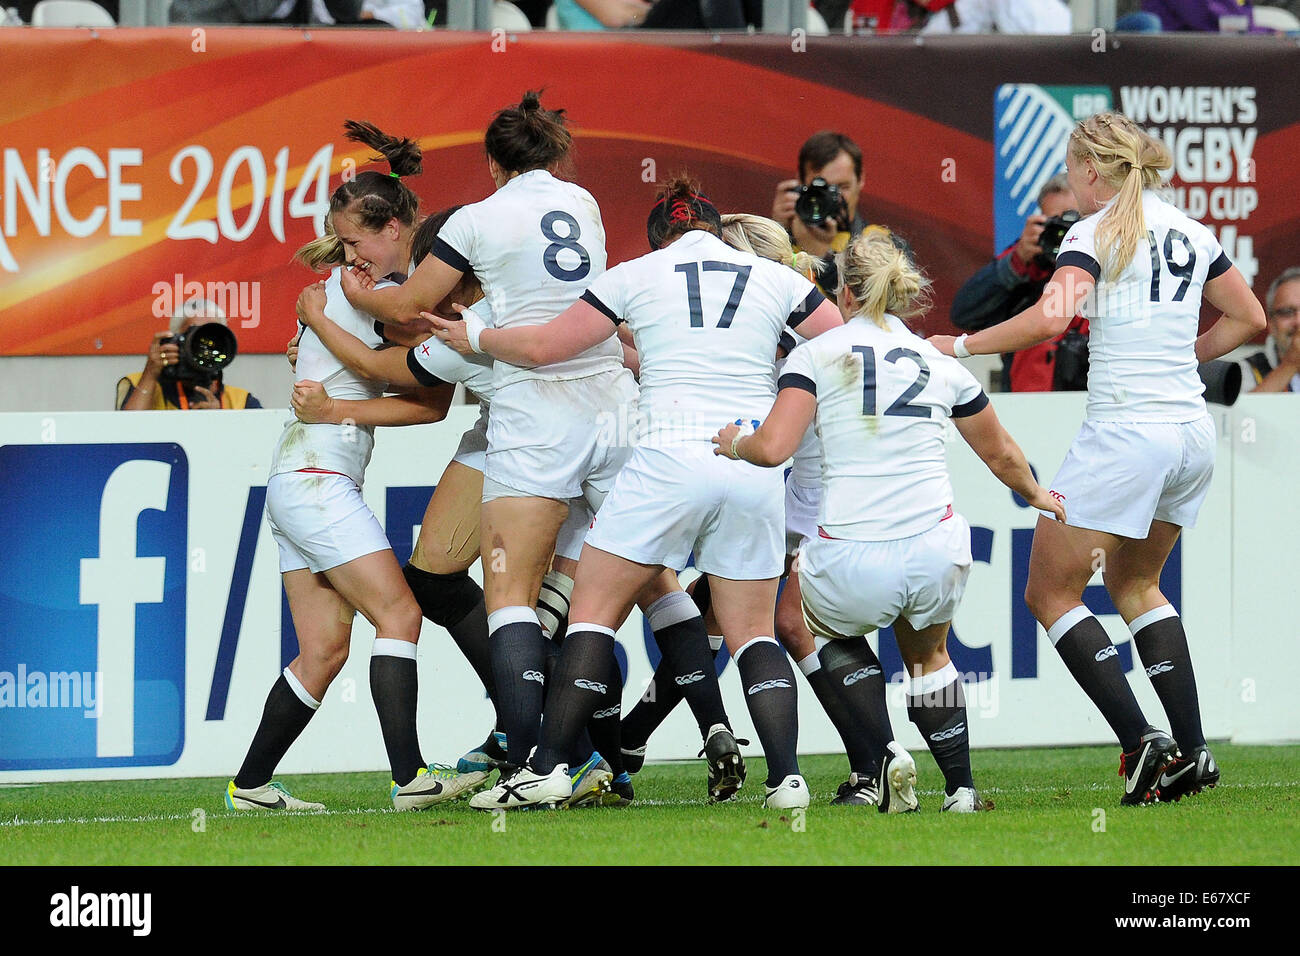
1062,298
422,405
401,305
775,440
382,365
1243,317
572,332
1000,453
824,317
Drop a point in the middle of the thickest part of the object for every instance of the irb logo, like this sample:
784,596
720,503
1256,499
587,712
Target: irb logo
93,570
1031,125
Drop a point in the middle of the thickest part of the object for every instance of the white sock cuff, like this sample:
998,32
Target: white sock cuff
301,692
512,615
560,582
715,642
750,643
583,626
388,647
1150,617
810,664
1067,621
672,608
929,683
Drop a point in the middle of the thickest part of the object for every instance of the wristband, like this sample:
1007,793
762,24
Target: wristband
959,348
474,326
746,428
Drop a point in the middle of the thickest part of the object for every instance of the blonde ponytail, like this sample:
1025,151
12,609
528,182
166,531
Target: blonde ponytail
1128,160
765,238
882,277
323,254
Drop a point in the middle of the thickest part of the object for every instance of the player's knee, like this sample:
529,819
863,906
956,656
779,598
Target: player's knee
322,663
444,599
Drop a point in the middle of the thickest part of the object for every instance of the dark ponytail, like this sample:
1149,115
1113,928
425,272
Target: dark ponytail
373,198
526,136
680,207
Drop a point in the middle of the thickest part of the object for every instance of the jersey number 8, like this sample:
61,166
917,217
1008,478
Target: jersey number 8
551,257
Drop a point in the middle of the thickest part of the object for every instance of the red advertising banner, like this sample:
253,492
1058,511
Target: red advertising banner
141,167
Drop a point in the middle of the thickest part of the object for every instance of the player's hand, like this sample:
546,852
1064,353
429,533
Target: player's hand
452,332
943,343
787,191
208,399
161,354
1043,501
1027,245
291,352
354,282
311,304
723,439
310,403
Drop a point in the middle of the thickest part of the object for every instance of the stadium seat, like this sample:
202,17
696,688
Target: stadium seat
552,18
1275,18
507,16
816,23
71,13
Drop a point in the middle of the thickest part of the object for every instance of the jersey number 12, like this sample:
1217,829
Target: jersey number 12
901,406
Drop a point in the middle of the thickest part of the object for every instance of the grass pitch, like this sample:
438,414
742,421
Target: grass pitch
1052,807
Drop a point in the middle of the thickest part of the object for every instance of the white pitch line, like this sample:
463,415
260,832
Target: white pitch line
229,815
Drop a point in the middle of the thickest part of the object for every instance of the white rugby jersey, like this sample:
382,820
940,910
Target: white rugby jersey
882,398
344,449
1143,325
706,319
806,467
535,245
433,362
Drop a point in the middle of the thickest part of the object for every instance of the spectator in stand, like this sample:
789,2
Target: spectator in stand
283,12
1276,367
660,15
1002,16
1201,15
1012,283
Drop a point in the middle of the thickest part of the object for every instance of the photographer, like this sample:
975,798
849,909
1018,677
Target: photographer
1013,282
167,382
820,208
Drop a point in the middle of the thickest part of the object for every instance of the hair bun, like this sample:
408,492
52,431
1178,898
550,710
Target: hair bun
532,102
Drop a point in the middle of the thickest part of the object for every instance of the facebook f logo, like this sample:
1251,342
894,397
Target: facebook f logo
92,600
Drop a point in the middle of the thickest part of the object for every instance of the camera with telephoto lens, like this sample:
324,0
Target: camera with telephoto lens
819,201
1053,235
204,350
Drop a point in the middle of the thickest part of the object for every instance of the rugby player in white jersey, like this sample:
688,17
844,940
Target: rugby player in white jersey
889,549
1138,470
706,319
448,541
334,556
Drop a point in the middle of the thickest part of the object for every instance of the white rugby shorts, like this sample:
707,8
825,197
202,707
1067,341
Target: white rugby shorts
802,503
855,587
669,501
558,439
472,451
319,521
1119,476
